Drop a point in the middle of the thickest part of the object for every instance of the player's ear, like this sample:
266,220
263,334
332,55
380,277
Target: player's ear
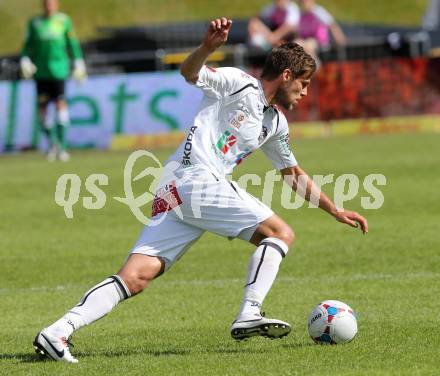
286,75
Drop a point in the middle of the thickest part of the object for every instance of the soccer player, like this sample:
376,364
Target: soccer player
238,115
45,58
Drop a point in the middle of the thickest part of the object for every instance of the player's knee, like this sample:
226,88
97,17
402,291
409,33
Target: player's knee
136,280
135,283
285,234
140,270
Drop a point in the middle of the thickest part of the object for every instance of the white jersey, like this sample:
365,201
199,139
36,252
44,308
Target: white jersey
233,121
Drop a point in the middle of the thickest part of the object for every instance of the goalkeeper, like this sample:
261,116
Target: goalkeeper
45,58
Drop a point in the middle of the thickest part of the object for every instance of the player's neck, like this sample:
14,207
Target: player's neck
49,14
269,88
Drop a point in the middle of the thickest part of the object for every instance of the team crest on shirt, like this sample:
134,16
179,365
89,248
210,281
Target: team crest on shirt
237,118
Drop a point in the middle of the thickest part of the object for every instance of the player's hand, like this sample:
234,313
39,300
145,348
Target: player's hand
27,68
79,70
217,33
352,219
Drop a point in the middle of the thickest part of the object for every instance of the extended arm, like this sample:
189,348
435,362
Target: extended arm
215,37
79,66
338,34
302,184
72,41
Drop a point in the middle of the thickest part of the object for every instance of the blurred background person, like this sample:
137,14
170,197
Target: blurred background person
315,26
431,18
277,23
45,57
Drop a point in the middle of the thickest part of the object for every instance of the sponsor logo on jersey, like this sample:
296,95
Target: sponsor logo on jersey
219,154
166,199
187,148
226,141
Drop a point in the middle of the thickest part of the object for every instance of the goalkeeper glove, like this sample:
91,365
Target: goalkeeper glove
27,68
79,70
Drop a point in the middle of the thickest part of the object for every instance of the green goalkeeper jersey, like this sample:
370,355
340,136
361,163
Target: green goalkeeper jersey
47,42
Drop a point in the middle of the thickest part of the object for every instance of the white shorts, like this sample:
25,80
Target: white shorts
200,202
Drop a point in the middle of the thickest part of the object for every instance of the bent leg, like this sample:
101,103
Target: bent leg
273,237
97,302
167,241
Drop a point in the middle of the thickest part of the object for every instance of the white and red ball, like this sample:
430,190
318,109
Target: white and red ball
332,322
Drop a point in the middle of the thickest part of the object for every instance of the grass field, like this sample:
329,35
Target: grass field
180,326
90,14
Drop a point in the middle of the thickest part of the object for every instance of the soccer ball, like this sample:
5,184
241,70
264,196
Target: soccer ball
332,322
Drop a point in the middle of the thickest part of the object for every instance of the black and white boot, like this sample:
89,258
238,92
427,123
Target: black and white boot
258,325
56,348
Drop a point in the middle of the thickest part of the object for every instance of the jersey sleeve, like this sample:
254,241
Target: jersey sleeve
220,82
277,147
72,40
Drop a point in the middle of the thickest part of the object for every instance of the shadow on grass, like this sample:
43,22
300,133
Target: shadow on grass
151,352
23,357
34,358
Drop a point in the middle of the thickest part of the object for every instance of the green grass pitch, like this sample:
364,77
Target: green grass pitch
180,325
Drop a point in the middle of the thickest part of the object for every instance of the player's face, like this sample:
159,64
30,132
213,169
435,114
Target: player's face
306,4
281,3
50,6
291,91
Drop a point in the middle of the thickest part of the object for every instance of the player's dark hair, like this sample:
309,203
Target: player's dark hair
288,56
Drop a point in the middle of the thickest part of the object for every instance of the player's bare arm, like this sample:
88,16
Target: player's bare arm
215,37
295,176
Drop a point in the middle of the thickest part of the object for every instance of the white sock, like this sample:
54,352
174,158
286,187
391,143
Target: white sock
262,270
96,303
63,117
